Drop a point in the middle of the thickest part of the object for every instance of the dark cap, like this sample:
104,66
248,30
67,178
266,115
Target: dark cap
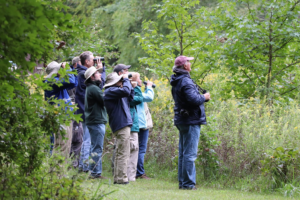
120,67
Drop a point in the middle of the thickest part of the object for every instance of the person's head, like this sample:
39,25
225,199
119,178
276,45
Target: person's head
75,61
113,79
183,62
53,68
92,75
86,59
136,77
121,69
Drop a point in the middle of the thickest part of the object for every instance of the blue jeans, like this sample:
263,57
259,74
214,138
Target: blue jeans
97,133
188,146
143,139
85,149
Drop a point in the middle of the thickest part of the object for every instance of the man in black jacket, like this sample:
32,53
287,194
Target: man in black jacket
86,59
189,116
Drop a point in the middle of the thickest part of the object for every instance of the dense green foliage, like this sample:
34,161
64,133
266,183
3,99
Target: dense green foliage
246,55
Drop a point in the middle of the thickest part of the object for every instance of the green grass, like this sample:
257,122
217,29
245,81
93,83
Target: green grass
161,189
165,186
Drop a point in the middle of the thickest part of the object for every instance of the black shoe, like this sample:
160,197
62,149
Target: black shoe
180,187
124,183
80,170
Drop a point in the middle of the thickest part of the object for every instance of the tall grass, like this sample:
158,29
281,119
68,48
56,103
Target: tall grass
248,132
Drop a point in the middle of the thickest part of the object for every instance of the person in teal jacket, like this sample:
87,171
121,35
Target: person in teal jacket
134,145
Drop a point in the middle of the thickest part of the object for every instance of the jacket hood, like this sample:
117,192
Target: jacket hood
175,78
81,68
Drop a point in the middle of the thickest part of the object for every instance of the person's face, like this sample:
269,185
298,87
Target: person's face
124,71
89,62
119,84
187,66
96,76
75,65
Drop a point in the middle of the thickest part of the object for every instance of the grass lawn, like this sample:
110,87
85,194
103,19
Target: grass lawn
163,189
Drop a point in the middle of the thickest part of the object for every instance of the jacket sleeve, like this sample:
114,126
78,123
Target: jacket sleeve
191,93
103,78
138,96
118,92
65,85
148,95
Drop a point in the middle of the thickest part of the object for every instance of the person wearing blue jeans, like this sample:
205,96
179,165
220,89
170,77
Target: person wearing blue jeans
85,149
189,116
95,119
86,59
143,140
145,123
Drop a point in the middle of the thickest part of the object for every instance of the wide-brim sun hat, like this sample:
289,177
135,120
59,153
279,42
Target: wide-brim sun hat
89,72
112,79
52,68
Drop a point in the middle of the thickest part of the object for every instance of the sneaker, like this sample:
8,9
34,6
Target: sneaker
144,176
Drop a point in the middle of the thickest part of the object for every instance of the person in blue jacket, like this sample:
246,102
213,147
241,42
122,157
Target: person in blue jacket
86,59
189,116
117,97
60,92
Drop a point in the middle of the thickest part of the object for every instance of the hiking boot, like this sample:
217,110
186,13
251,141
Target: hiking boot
144,176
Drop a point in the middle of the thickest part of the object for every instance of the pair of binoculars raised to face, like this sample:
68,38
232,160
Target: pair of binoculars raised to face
101,58
145,82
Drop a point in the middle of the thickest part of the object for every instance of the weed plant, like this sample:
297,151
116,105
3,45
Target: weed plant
237,145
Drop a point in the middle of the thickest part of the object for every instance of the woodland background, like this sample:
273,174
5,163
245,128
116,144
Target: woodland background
246,55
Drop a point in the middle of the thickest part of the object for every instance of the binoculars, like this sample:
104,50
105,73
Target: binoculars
101,58
145,82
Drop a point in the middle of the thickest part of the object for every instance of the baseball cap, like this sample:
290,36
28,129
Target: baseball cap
120,67
180,60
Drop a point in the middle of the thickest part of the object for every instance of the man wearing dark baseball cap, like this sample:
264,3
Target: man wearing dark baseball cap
121,68
189,116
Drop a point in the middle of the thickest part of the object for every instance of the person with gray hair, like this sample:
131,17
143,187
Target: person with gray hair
87,61
77,131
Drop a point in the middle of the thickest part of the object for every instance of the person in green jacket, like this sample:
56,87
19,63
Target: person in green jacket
95,118
134,143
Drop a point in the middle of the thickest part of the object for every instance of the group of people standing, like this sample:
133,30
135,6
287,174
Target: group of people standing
129,118
122,101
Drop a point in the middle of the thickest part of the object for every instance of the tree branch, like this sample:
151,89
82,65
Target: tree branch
289,90
280,71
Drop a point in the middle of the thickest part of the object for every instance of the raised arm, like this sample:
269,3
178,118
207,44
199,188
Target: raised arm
148,95
138,96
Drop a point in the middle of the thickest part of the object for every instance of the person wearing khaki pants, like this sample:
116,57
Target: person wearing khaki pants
64,145
118,93
60,92
134,143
